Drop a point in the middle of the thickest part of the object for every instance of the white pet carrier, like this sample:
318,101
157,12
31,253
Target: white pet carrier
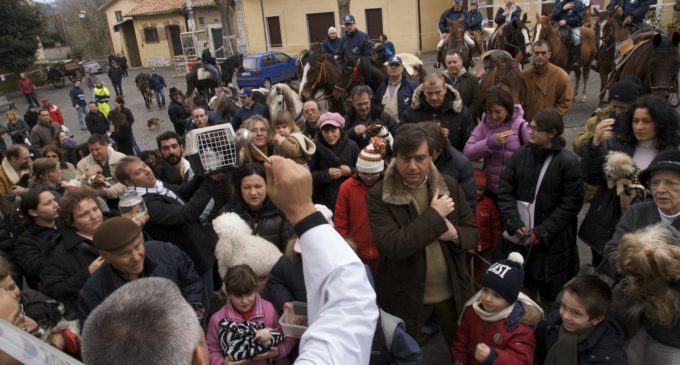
211,150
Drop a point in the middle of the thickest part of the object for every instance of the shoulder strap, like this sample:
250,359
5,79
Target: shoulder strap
541,175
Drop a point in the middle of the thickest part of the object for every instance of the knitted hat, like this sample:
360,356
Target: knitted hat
332,30
625,91
370,161
480,178
333,119
115,233
506,277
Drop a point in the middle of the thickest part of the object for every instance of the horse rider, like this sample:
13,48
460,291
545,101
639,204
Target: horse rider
210,63
631,13
330,45
569,13
473,24
507,12
455,12
354,42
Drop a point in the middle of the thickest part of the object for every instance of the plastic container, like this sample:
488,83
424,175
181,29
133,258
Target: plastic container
296,314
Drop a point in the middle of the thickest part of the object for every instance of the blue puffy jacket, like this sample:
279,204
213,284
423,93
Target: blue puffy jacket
357,43
573,16
474,20
636,8
453,15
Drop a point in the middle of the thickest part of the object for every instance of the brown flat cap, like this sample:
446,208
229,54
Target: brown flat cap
115,233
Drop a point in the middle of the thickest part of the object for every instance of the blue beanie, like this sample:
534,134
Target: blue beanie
506,277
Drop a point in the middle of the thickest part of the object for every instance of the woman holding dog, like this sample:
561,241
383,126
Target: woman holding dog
650,125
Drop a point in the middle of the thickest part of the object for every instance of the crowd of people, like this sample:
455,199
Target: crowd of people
426,209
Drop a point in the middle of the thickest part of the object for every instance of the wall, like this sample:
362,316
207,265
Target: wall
124,6
156,54
57,53
399,23
430,11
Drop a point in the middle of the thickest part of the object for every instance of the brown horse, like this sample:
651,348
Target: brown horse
456,41
142,82
608,33
504,72
559,54
359,71
655,63
319,77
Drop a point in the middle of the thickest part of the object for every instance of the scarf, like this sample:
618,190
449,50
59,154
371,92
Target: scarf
496,316
565,350
158,189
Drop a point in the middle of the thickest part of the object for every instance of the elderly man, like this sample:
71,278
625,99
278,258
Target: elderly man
311,112
465,82
394,93
455,12
436,101
43,133
354,42
102,159
364,113
249,107
330,45
16,169
127,257
174,213
546,84
422,226
137,308
507,13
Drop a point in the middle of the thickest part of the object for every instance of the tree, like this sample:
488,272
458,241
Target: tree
226,8
343,8
20,24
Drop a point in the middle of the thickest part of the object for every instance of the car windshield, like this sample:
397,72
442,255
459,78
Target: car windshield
250,63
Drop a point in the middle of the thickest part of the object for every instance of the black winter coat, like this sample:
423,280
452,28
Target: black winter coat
454,163
453,115
268,223
32,250
115,74
96,123
123,138
286,282
603,346
161,259
67,269
344,152
179,224
352,120
178,115
555,259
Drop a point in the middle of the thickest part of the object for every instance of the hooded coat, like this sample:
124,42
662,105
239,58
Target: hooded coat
402,235
453,115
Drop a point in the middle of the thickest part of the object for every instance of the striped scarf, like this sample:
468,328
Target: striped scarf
158,189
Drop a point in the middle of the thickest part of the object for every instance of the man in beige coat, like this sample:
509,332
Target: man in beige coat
103,159
546,84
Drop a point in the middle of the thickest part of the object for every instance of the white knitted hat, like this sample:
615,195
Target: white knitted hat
370,161
332,30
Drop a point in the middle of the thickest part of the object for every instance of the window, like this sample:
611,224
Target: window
274,27
201,20
151,35
281,58
119,16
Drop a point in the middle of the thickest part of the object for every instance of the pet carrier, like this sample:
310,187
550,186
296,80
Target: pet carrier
211,150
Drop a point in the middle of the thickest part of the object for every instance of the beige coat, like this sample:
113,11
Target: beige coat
548,87
115,190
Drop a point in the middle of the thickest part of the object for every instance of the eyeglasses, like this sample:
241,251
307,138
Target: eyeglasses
534,128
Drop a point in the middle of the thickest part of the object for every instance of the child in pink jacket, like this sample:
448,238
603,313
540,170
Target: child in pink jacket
245,307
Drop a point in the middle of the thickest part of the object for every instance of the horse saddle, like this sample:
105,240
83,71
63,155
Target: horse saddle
626,49
203,74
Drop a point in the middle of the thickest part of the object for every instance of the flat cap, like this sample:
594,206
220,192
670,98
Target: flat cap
115,233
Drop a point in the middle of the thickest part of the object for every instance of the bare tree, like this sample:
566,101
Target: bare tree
226,8
343,8
88,36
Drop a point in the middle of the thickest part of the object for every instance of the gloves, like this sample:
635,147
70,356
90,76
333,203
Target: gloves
628,20
618,11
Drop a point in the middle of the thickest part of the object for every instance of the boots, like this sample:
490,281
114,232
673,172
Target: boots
575,53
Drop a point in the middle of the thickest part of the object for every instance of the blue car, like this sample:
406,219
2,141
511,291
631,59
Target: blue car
266,69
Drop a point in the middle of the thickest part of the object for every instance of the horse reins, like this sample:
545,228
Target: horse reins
355,77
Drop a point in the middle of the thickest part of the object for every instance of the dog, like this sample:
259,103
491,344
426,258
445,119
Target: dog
154,123
621,172
98,180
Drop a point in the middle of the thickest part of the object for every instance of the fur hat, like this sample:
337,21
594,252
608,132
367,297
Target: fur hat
370,161
666,160
506,277
238,245
115,233
621,172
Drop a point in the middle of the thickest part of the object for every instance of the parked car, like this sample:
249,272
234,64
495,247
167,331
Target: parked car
92,65
266,69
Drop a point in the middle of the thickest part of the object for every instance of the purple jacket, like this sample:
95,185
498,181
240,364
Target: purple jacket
264,312
482,145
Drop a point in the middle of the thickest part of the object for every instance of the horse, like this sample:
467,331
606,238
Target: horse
225,102
504,72
142,82
513,37
281,97
608,33
319,78
559,54
656,63
359,71
207,86
456,41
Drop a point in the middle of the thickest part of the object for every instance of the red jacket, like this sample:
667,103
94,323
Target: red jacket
514,347
488,219
351,217
55,114
26,86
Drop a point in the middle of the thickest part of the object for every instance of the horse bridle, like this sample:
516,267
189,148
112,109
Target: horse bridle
355,77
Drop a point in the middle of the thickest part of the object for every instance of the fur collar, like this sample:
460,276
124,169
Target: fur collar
395,191
10,172
418,99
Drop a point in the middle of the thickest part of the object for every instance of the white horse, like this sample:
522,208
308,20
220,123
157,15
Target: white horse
282,97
